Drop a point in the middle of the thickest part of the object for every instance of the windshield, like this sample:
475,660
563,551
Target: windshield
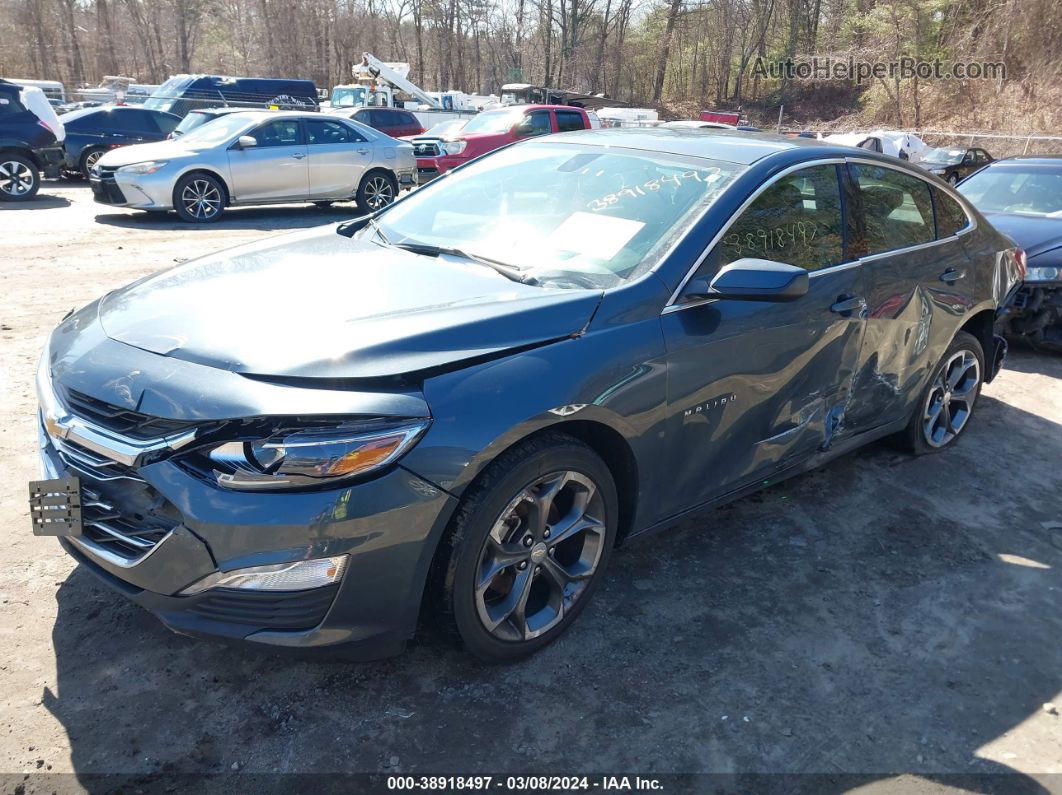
564,215
217,131
493,121
949,156
1033,190
191,121
348,97
165,96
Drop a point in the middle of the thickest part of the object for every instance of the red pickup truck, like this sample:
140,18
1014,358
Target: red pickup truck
491,130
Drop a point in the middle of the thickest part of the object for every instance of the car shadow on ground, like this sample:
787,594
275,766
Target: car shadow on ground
882,615
263,218
42,201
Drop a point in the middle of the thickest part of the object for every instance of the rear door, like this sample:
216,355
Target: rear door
754,386
915,286
276,169
338,156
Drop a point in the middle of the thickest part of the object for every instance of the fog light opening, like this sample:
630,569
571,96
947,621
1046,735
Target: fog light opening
299,575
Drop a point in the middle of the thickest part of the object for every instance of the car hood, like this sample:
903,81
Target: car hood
141,153
316,304
1034,233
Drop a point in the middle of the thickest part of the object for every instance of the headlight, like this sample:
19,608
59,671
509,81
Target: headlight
311,457
1043,274
454,147
149,167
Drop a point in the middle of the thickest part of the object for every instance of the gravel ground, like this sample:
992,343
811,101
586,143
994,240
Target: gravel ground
881,616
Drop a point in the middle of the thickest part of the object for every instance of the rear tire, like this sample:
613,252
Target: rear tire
377,190
946,404
19,178
528,546
199,198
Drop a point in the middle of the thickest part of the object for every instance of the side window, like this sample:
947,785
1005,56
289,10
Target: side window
950,216
10,104
981,156
281,132
568,120
797,220
409,120
330,132
897,208
140,121
533,124
382,119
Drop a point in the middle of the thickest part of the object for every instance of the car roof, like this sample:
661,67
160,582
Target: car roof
733,146
534,107
222,111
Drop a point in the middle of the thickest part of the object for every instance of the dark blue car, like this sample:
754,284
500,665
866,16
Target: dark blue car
1022,197
461,404
183,93
93,131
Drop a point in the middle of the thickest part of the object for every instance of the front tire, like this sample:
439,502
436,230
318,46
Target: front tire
953,178
19,178
199,198
528,547
946,404
376,191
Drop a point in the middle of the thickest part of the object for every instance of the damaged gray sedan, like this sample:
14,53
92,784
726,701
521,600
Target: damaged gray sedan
453,410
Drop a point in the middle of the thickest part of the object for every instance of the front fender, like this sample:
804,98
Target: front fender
613,375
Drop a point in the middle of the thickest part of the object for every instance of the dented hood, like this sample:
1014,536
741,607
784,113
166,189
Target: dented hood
316,304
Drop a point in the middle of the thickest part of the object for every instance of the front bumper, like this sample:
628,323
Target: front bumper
139,191
388,527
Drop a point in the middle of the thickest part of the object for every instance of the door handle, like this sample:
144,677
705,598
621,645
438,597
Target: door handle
299,155
952,275
847,304
363,151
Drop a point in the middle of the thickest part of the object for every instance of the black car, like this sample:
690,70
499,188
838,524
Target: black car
29,141
183,93
465,400
952,165
1022,197
93,131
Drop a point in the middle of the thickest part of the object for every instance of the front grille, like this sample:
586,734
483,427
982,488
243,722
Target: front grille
429,148
106,190
267,610
129,537
121,420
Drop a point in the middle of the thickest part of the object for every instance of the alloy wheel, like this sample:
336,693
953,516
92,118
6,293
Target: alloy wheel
540,556
91,159
16,179
951,397
379,192
201,199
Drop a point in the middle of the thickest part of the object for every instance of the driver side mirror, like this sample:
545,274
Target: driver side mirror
246,142
750,279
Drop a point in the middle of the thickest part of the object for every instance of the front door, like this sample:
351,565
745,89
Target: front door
338,156
754,386
275,169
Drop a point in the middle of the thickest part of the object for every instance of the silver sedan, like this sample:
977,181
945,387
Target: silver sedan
257,157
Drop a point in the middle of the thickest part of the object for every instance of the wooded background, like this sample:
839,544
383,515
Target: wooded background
674,54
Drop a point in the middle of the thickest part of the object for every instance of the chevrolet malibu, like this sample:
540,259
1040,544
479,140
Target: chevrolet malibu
256,157
454,409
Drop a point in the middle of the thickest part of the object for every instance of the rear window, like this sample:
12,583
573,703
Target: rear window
897,209
951,218
568,120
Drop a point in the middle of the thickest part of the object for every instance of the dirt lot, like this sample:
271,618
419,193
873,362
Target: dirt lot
884,615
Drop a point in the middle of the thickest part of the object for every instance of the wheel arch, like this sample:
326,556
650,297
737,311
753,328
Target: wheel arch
981,325
208,172
12,148
383,170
